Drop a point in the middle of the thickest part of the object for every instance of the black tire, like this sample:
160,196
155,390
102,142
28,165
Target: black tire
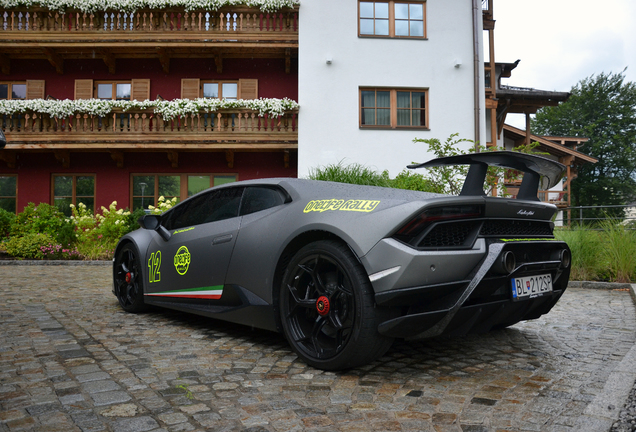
327,308
128,280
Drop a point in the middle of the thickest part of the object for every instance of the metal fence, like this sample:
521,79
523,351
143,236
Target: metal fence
574,216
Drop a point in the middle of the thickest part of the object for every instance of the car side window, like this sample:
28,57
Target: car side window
257,198
213,206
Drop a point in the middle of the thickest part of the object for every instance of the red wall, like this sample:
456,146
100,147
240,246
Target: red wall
273,82
113,184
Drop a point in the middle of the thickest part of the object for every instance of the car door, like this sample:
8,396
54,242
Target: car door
191,266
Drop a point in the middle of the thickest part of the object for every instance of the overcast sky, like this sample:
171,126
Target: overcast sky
560,42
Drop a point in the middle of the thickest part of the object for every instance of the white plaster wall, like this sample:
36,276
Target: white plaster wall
329,94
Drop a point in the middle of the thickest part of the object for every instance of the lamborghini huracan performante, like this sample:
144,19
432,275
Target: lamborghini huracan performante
342,270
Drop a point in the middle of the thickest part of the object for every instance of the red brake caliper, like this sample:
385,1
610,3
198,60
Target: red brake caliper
128,277
322,305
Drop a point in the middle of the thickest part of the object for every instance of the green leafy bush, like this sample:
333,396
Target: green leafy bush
6,219
353,174
28,246
46,219
413,181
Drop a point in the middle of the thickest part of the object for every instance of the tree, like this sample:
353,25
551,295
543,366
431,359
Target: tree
603,109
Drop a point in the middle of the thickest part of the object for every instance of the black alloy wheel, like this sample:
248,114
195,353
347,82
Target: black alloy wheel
327,308
128,280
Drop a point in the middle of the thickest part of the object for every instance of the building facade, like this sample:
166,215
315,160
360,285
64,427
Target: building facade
130,105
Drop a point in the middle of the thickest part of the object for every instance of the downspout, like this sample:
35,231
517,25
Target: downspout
477,15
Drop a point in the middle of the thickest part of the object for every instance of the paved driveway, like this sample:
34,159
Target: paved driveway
71,359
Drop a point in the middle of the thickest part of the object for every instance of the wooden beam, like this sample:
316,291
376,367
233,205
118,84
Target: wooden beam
218,60
5,64
118,157
64,157
229,157
8,157
164,59
109,60
173,157
56,61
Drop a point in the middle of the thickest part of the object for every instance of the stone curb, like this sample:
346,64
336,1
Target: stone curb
599,285
54,262
605,409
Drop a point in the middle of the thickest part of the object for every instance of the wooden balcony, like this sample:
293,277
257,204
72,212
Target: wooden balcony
230,32
134,130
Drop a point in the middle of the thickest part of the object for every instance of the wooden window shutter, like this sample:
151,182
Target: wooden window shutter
190,88
140,89
35,89
83,89
248,89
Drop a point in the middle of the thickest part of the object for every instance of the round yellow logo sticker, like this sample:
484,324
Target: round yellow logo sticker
182,260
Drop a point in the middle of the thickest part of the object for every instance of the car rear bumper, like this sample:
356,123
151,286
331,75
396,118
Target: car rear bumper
483,298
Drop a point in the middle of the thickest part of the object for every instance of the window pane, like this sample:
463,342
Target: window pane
401,28
368,98
18,91
210,90
419,118
404,117
230,90
123,91
143,185
382,10
417,28
63,205
366,26
417,11
401,11
197,184
85,186
403,99
4,91
219,180
105,91
260,198
8,204
63,186
143,202
383,99
384,117
169,186
419,100
368,117
8,186
382,27
366,10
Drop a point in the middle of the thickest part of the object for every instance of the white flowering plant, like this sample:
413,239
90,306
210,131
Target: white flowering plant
169,110
98,234
163,205
92,6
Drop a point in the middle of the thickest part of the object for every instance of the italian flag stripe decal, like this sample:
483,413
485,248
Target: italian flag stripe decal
213,293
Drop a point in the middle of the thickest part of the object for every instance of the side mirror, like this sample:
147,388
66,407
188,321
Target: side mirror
3,139
153,222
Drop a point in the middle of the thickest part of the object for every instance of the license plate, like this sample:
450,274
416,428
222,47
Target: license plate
531,286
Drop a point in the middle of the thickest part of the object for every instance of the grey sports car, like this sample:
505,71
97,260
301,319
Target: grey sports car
341,270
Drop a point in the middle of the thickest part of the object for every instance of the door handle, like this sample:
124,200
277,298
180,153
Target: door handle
222,239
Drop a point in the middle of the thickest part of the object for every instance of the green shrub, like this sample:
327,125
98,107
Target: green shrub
6,219
43,218
413,181
352,174
619,246
29,246
133,217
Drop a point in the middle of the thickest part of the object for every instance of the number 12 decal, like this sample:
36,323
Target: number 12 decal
154,264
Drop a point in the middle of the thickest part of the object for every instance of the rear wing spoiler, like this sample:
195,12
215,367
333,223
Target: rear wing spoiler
538,171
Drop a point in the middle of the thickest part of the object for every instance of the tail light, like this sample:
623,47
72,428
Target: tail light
419,223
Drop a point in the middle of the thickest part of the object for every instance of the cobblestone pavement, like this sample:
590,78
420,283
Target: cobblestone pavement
71,359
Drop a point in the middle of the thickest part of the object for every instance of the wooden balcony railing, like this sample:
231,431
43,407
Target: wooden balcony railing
227,20
144,129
